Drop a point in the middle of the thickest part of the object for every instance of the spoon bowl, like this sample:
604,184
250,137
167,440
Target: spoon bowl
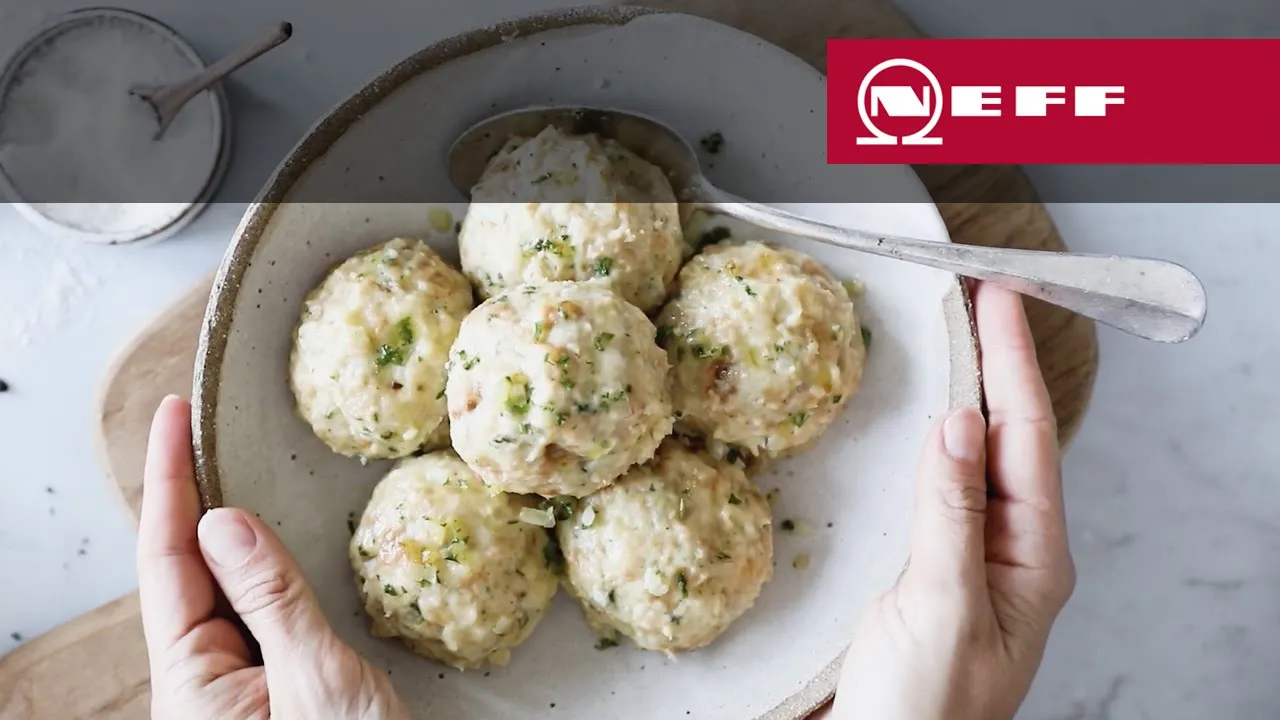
1153,299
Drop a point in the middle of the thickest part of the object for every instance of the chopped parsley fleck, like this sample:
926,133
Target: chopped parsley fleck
562,508
683,584
503,440
551,554
866,337
735,500
562,362
556,413
745,285
712,142
603,340
389,589
388,355
799,419
404,329
364,553
537,331
613,597
609,398
788,525
604,266
835,399
555,246
606,643
700,348
467,362
723,556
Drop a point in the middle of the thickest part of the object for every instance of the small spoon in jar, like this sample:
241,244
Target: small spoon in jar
166,101
1153,299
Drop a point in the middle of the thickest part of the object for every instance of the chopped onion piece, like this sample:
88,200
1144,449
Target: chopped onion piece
541,518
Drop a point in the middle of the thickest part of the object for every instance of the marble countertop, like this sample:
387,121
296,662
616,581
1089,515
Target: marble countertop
1171,484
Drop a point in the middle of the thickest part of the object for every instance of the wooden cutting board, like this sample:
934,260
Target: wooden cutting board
96,666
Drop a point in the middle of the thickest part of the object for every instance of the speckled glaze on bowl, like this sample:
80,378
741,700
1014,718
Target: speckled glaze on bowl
781,660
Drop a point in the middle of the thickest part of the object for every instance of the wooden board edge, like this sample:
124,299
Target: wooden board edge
110,404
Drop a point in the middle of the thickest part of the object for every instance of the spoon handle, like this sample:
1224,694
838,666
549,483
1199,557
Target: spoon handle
1153,299
172,99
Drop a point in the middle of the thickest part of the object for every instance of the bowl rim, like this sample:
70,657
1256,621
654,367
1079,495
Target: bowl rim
964,384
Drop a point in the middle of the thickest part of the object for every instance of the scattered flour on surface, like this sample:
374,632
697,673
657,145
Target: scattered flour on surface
42,287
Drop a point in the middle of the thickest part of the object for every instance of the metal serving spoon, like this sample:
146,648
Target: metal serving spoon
166,101
1153,299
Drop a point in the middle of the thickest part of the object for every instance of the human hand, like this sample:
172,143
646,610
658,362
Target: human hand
962,633
201,666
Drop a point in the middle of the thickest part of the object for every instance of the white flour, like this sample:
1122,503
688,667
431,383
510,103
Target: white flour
81,150
47,285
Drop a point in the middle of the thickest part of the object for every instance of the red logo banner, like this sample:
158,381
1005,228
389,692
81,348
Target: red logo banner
1052,102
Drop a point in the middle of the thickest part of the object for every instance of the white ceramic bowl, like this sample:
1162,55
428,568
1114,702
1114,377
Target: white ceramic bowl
781,659
214,101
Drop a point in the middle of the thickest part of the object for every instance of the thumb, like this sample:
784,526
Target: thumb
262,581
947,536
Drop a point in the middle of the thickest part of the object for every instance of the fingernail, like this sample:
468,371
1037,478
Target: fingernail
964,435
226,538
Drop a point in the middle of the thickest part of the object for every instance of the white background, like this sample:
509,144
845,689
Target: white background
1171,484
